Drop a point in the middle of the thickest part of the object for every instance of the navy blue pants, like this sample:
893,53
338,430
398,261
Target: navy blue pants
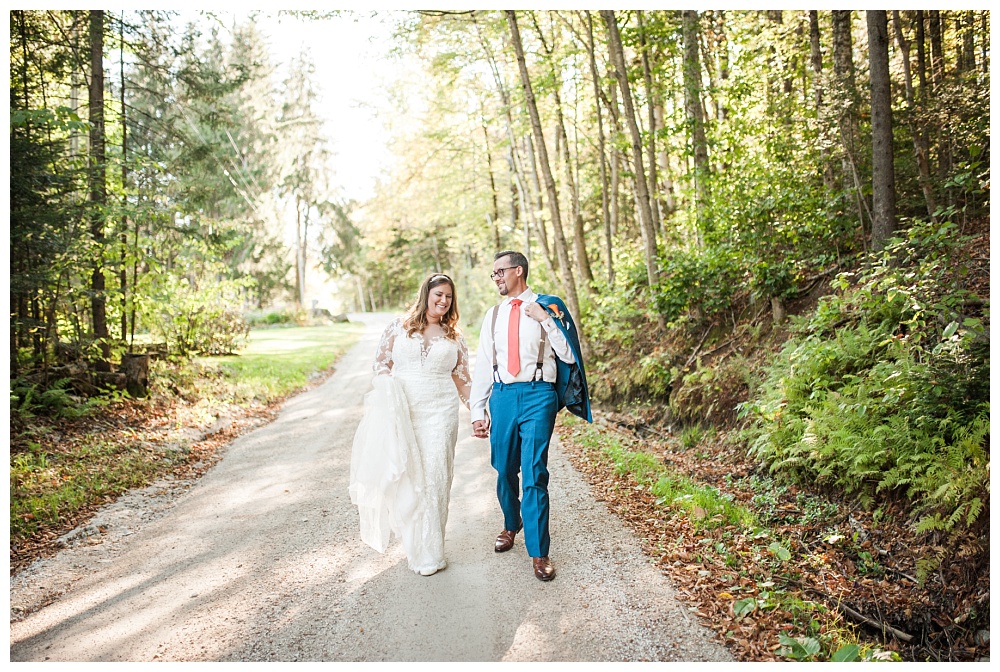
522,416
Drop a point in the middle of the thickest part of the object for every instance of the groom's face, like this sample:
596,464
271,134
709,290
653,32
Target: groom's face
502,272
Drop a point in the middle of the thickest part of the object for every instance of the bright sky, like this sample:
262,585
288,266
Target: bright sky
352,70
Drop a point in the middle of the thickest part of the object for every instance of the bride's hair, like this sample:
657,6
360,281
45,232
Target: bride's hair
416,318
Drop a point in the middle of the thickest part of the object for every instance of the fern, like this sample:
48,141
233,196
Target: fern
891,403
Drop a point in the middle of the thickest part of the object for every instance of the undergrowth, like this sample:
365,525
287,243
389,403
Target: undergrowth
884,389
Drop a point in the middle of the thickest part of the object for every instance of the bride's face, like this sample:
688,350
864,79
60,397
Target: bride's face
439,302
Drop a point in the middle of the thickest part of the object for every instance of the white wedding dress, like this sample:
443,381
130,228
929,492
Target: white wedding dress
402,462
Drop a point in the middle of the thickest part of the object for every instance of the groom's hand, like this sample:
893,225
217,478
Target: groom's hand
536,312
481,429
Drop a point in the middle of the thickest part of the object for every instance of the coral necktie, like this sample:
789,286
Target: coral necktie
513,341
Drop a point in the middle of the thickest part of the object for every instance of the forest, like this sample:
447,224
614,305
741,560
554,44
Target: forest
772,227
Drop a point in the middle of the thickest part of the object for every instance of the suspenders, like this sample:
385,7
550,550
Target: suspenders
537,375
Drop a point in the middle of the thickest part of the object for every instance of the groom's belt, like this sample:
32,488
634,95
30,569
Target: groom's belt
528,383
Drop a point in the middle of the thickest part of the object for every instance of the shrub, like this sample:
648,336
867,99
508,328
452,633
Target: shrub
711,393
886,388
199,315
699,281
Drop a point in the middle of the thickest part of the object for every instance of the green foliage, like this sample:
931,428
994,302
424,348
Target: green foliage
698,281
711,393
799,648
873,396
846,654
706,505
30,399
47,486
200,314
278,361
270,318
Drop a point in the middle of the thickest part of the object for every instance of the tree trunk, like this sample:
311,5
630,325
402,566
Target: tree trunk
937,51
843,69
816,59
495,219
535,194
123,264
521,186
937,78
136,370
569,284
300,280
883,173
695,113
98,188
647,76
968,42
923,167
923,90
579,242
605,200
646,226
616,158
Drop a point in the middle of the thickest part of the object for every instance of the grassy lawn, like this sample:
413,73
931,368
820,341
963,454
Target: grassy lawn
62,468
279,361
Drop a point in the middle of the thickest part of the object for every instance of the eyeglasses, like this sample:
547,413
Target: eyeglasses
500,271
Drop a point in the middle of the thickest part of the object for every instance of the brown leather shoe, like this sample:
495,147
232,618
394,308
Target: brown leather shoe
543,568
505,541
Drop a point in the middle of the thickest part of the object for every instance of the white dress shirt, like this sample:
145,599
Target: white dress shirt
529,335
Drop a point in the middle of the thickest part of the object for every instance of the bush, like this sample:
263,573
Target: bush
272,318
711,393
200,315
886,388
698,281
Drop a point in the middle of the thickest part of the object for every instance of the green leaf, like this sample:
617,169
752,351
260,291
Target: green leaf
950,330
846,654
744,606
779,551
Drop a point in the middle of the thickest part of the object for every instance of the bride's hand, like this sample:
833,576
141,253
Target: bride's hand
481,429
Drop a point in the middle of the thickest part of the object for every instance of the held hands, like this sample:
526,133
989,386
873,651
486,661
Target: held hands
481,429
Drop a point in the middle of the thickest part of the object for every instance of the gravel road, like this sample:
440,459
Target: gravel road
260,560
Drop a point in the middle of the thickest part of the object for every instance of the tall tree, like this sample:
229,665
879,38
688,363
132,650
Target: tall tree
602,157
695,112
846,100
647,77
920,150
646,225
816,61
562,140
566,271
306,177
883,172
98,188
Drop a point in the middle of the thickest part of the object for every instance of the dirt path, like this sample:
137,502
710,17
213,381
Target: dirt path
260,560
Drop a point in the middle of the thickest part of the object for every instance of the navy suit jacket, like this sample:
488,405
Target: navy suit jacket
571,379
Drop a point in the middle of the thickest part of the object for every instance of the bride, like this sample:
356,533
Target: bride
403,456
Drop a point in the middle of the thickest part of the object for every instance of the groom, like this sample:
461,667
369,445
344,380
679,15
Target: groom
528,367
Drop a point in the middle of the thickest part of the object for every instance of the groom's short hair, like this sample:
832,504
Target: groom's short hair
516,258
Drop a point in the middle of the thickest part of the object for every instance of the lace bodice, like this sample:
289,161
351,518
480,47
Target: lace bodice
419,354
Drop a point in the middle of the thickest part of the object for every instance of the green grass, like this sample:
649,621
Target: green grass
707,506
50,481
279,361
46,486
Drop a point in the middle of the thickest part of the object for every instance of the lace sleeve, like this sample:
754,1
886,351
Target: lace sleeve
460,374
383,356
